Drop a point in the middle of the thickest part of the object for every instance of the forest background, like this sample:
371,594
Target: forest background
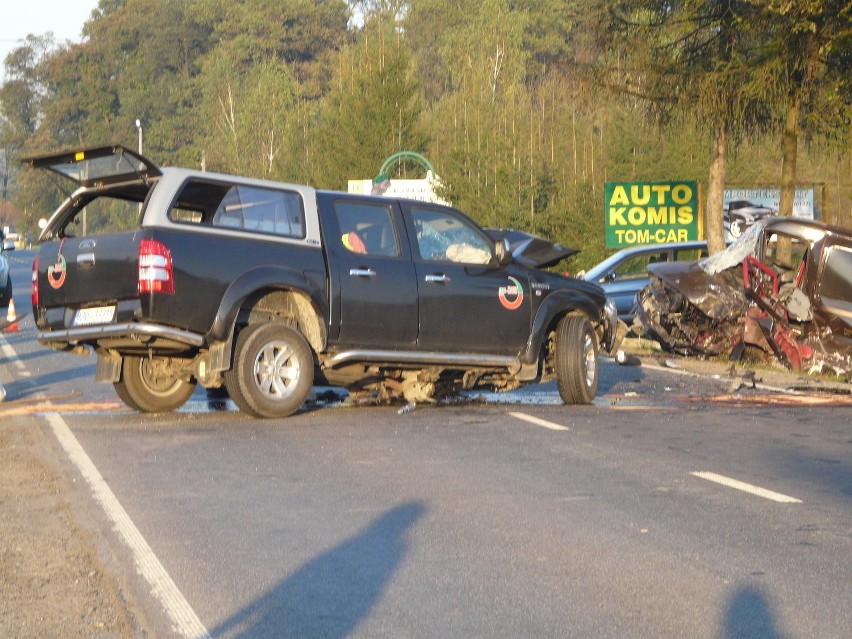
524,107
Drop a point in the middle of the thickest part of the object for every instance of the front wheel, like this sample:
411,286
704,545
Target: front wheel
576,360
273,371
148,386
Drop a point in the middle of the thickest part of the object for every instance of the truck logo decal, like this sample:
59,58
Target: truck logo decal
56,272
512,296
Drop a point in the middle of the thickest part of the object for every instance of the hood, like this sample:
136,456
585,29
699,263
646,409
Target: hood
719,296
530,250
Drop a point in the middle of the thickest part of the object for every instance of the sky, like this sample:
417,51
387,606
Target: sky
64,18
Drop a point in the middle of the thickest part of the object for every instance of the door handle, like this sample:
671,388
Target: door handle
86,260
362,272
438,279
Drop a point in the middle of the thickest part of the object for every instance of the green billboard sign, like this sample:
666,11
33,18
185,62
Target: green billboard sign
650,213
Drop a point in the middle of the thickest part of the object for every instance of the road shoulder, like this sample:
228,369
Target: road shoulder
55,580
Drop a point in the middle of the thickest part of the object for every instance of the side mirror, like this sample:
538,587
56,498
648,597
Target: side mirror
42,223
503,253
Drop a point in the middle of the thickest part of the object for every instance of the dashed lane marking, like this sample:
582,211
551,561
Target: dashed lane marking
748,488
185,623
538,421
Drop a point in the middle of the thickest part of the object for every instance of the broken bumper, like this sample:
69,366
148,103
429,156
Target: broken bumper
614,329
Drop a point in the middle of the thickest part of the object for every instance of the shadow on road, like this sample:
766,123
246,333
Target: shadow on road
330,595
749,616
27,387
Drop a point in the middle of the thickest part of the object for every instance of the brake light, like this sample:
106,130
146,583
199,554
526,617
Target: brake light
155,268
35,282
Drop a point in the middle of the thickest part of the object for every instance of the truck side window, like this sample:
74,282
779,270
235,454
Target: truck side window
442,237
246,208
366,228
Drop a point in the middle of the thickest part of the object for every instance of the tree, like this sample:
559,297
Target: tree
372,110
298,33
696,59
809,57
22,99
248,115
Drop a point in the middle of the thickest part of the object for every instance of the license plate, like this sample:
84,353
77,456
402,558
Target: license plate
95,315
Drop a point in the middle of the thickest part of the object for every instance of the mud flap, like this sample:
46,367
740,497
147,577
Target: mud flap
108,368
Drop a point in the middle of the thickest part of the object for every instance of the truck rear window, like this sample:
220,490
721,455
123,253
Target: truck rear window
240,207
101,216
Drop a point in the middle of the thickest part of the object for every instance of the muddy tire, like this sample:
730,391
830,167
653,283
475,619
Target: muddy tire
147,387
273,371
576,360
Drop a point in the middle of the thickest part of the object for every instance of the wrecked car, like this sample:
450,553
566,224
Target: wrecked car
783,290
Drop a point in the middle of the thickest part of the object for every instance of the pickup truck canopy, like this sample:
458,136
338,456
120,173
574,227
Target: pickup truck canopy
101,165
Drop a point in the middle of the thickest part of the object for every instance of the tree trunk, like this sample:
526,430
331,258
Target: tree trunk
789,148
784,249
716,191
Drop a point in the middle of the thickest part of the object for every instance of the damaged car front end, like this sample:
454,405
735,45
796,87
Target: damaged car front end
783,290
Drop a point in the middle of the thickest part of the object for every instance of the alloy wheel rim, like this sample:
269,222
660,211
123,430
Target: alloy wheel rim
276,370
589,359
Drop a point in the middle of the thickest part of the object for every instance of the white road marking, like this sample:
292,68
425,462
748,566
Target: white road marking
10,354
539,422
749,488
185,622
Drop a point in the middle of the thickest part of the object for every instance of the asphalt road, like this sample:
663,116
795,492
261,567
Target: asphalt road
511,518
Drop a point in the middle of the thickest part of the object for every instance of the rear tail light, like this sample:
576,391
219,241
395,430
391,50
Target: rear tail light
155,268
35,282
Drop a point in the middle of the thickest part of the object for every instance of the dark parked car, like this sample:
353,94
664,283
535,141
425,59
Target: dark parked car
741,214
625,273
783,289
5,275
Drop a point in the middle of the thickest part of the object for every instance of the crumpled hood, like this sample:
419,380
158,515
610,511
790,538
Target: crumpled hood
719,296
530,250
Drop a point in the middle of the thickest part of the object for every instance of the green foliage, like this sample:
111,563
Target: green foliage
371,111
247,114
524,107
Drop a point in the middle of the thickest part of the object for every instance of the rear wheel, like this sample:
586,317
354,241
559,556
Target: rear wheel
147,385
576,360
273,370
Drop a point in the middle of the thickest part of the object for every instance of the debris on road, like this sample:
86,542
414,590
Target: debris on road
408,408
755,401
626,359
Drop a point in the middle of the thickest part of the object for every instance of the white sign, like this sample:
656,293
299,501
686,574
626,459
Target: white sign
744,207
422,190
803,200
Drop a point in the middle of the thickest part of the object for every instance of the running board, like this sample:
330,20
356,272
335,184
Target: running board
460,360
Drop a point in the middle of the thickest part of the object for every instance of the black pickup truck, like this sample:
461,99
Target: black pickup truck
176,277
